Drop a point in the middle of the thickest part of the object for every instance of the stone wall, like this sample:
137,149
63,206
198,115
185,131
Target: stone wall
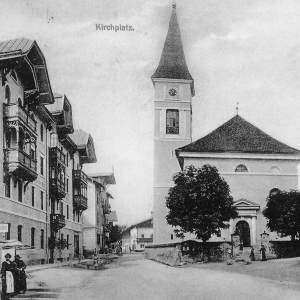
166,254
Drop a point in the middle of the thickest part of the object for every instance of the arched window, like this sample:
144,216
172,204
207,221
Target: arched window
274,191
42,238
172,121
241,168
32,236
14,75
20,227
42,132
275,169
7,234
7,95
53,139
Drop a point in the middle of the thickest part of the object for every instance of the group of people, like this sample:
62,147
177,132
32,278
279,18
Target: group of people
13,277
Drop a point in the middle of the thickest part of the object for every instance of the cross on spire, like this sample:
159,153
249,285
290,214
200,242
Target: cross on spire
237,109
174,4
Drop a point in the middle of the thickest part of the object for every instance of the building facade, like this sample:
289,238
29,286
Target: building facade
44,190
96,218
137,236
253,163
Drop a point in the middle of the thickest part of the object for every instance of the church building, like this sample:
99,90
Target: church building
252,162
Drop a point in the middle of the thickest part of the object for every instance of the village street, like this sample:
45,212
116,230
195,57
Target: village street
133,277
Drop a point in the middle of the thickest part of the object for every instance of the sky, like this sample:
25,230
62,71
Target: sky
238,51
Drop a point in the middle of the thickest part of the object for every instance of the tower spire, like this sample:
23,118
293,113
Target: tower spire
172,63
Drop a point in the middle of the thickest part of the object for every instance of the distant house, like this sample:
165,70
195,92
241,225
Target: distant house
137,236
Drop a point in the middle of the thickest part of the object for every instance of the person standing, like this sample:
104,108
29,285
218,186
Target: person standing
20,275
252,256
7,277
241,246
263,253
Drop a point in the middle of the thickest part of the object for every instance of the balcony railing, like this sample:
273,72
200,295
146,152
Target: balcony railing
79,176
57,187
14,111
172,130
80,202
56,155
58,221
144,240
20,162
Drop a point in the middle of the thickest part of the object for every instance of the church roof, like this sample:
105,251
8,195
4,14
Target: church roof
172,63
238,136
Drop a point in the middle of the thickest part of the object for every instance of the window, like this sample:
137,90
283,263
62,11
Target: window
219,233
42,200
67,185
241,168
7,94
42,165
32,236
53,140
14,75
142,235
62,237
275,169
78,217
42,132
67,241
42,238
61,208
67,158
20,191
274,191
7,187
142,246
7,234
98,238
172,237
172,121
67,212
73,215
32,196
20,233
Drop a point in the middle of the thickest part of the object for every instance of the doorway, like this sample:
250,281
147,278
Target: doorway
242,227
76,245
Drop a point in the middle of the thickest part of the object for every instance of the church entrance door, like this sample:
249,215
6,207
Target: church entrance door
242,227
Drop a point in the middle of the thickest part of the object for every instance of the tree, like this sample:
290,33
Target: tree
115,234
283,213
199,203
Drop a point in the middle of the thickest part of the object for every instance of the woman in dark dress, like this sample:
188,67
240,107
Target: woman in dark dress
20,275
263,253
7,277
252,256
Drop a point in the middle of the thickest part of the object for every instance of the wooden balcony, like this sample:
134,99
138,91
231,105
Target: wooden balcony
144,240
57,188
14,112
21,164
56,156
57,221
80,202
79,177
172,130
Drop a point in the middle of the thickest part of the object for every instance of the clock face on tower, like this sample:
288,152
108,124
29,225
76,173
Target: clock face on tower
172,92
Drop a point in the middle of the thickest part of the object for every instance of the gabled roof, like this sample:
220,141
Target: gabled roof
107,177
112,217
172,63
26,57
148,223
244,203
61,109
85,146
238,136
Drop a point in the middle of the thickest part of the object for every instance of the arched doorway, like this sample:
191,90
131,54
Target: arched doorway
242,227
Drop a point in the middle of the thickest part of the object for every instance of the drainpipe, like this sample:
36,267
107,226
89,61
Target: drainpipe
47,193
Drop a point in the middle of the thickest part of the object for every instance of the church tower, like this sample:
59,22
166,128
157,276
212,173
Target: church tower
174,89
